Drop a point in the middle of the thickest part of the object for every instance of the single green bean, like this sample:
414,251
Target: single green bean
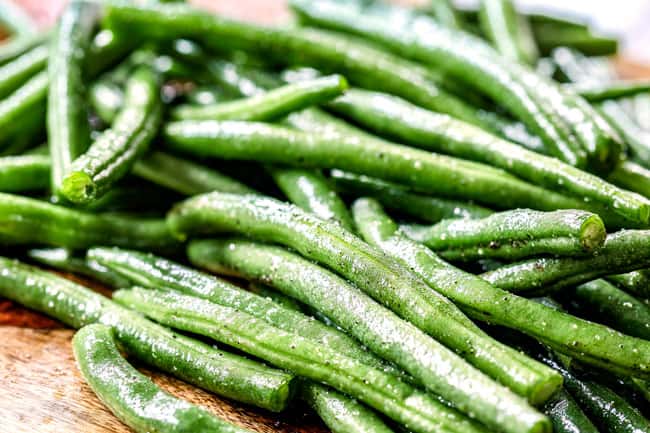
67,124
414,409
24,173
400,199
513,235
508,31
340,413
272,105
636,283
157,273
309,190
567,416
18,71
631,176
185,176
36,222
14,20
188,359
570,335
604,303
623,251
352,310
618,89
550,36
115,151
383,278
399,119
423,171
130,395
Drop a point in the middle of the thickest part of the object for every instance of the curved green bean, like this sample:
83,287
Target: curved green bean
587,341
623,251
67,124
132,396
188,359
24,173
271,105
399,119
513,235
33,221
382,277
397,400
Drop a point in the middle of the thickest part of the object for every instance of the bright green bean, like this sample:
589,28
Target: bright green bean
508,31
19,70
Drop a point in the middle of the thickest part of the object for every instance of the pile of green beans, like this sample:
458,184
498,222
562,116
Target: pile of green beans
365,202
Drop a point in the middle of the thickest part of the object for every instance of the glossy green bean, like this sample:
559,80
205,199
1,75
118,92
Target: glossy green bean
414,409
14,20
352,310
157,273
67,124
18,71
106,98
636,283
383,278
340,413
513,235
399,119
24,173
130,395
636,138
188,359
184,176
567,416
623,251
567,334
270,105
26,103
508,31
114,152
402,200
631,176
309,190
423,171
357,60
36,222
604,303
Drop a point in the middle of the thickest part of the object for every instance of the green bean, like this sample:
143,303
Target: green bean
36,222
443,11
424,171
114,152
383,278
567,416
67,125
14,20
397,118
18,45
107,48
618,89
513,235
631,176
637,139
606,304
185,176
476,64
570,335
65,260
623,251
400,199
16,72
310,191
550,36
508,31
24,105
277,297
188,359
272,105
354,311
399,401
106,98
636,283
130,395
157,273
341,414
24,173
357,60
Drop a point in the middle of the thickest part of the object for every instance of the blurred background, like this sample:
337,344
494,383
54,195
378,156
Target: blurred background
628,19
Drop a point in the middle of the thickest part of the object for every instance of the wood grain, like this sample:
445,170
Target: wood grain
41,391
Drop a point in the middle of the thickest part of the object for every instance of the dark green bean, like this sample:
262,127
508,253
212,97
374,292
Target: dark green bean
636,283
188,359
24,173
36,222
567,416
